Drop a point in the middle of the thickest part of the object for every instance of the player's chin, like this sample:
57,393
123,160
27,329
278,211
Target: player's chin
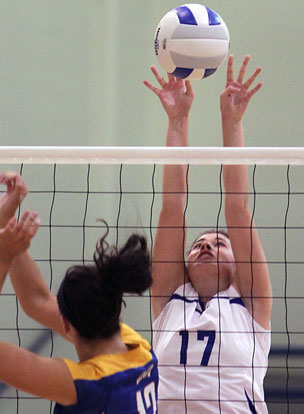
207,262
202,267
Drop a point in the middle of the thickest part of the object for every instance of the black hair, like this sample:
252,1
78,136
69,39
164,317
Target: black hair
209,231
90,297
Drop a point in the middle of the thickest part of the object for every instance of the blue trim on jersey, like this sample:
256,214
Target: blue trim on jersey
239,301
185,15
202,305
182,73
213,17
179,297
251,406
209,72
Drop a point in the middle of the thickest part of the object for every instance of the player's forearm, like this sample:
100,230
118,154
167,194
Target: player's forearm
175,176
235,176
177,133
29,285
3,272
3,220
233,134
4,217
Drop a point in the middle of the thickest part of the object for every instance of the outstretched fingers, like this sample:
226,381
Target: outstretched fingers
15,238
151,87
24,230
148,85
252,78
243,69
23,219
254,90
28,224
189,90
10,227
33,224
158,77
171,77
230,70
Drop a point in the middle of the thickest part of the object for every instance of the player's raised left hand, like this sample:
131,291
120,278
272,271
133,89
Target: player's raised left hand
15,237
237,93
16,191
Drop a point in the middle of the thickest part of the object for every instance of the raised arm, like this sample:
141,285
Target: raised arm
44,377
15,192
36,299
33,293
176,96
252,277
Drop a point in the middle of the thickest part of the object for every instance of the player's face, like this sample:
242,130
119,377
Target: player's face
211,256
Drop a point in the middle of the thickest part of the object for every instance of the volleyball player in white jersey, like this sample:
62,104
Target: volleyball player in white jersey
211,307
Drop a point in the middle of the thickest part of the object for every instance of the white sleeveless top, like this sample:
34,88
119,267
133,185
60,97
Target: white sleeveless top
211,360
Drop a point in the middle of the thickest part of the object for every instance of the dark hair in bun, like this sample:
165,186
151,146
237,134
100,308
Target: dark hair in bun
91,297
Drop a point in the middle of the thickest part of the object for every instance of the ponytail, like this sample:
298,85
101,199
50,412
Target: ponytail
91,297
127,270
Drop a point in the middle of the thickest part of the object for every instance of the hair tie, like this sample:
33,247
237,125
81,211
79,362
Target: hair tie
65,310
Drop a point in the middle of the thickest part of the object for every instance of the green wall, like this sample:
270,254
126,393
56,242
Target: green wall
71,74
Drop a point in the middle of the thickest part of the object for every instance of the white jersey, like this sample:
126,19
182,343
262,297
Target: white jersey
210,360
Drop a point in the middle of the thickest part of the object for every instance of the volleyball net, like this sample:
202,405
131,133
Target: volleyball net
72,187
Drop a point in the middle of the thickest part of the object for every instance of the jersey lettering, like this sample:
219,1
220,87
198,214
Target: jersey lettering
201,336
149,397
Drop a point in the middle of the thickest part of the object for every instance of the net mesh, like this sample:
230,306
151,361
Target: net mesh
70,198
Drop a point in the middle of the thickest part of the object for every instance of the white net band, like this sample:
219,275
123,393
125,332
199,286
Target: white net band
153,155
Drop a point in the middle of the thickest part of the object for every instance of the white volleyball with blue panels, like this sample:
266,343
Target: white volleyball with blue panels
191,41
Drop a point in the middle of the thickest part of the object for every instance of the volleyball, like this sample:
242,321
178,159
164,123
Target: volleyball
191,41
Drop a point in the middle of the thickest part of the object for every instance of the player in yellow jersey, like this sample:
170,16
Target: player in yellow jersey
117,370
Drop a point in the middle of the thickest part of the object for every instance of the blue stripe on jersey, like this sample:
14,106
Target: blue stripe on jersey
209,72
213,17
200,305
182,72
179,297
239,301
185,15
251,406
